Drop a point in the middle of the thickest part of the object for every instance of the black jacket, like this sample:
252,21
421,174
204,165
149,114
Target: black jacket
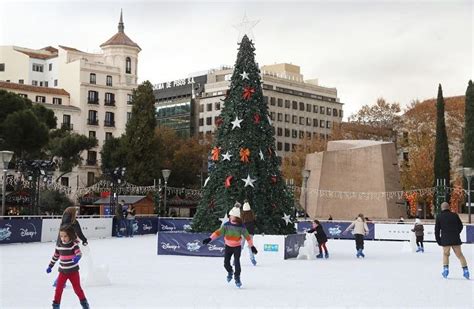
320,234
250,227
77,227
447,229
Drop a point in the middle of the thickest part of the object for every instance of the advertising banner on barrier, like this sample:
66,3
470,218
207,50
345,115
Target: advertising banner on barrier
293,243
403,232
269,246
145,225
92,228
335,229
181,243
20,230
469,233
174,225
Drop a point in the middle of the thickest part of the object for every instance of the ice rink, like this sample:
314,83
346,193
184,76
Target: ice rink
390,276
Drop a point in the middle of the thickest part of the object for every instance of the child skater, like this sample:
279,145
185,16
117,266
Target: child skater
232,230
419,233
68,253
360,229
321,237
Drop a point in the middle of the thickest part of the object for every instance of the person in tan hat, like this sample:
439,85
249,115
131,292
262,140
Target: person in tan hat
232,230
447,229
248,219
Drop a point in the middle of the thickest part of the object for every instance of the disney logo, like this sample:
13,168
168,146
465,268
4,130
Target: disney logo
166,246
215,248
165,227
26,233
147,227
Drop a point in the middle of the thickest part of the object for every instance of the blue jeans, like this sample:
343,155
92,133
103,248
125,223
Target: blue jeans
130,227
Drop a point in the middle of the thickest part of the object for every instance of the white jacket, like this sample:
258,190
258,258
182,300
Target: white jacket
359,227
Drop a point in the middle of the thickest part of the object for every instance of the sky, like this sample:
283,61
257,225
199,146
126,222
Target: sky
398,50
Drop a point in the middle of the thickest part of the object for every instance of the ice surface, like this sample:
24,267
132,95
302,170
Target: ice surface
389,276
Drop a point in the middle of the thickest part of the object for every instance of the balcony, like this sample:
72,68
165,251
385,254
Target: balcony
109,123
67,126
91,162
109,103
93,100
93,122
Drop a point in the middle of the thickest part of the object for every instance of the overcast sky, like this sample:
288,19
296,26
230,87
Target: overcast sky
399,50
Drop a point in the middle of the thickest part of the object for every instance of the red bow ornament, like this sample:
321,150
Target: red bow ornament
248,91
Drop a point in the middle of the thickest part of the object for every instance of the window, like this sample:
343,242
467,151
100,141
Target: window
301,134
55,83
328,111
280,102
209,107
108,80
321,110
40,99
287,132
93,97
201,108
301,106
279,146
302,120
109,99
66,122
294,133
272,101
57,101
37,67
328,124
315,109
340,113
23,95
334,112
321,123
308,108
128,65
129,116
108,136
272,116
279,132
129,98
90,179
92,78
21,81
308,121
294,119
201,122
65,181
287,118
308,135
46,84
209,121
287,104
265,100
294,105
279,117
2,67
109,119
287,147
218,106
92,134
34,82
91,157
50,66
41,84
92,120
315,122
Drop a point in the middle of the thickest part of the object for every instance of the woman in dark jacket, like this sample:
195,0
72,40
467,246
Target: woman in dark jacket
248,219
69,217
447,229
321,237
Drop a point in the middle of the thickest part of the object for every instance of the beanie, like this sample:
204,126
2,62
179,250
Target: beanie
246,206
417,221
235,211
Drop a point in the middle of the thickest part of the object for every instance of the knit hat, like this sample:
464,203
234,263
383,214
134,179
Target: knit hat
235,211
444,206
237,205
246,206
417,221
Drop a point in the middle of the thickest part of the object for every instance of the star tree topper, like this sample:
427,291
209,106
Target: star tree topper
245,28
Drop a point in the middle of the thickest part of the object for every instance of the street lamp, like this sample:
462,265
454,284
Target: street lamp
166,175
6,157
468,172
305,174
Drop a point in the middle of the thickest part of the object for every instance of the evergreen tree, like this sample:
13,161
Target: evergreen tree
246,165
441,161
140,141
468,153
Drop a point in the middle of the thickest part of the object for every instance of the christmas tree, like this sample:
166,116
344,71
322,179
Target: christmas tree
246,165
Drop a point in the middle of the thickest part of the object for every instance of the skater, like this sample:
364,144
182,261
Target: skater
70,218
232,230
130,219
119,214
419,233
448,226
321,237
68,254
360,229
248,219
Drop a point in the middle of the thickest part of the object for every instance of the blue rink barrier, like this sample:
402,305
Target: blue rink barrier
334,229
470,233
174,224
19,230
182,243
152,224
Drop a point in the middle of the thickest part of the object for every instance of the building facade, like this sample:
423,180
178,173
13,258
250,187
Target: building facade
99,88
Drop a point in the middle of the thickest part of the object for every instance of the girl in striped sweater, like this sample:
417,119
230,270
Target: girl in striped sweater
233,230
68,253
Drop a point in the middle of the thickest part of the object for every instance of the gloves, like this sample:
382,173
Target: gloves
206,241
76,259
254,250
48,270
85,243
